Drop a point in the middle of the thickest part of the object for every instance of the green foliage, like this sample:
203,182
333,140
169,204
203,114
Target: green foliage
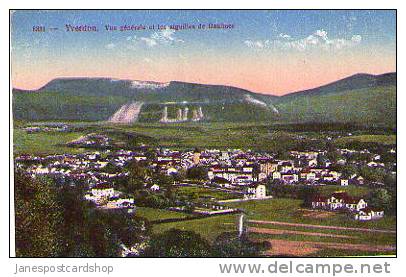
197,173
57,222
373,174
301,192
37,217
178,243
53,105
138,174
347,170
229,245
43,143
352,140
146,198
380,198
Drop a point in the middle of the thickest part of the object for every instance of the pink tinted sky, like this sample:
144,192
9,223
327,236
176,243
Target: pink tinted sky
277,75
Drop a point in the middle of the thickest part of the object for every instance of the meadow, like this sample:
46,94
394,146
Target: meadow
254,136
382,139
289,210
194,191
43,143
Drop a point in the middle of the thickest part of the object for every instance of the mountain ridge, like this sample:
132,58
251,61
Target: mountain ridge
377,78
362,80
87,98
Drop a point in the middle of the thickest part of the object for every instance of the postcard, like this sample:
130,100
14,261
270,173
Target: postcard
203,133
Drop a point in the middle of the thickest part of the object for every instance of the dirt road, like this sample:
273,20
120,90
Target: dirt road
291,232
323,226
303,248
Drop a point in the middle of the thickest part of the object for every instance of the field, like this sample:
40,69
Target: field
356,191
152,214
255,136
44,143
383,139
330,242
206,193
222,136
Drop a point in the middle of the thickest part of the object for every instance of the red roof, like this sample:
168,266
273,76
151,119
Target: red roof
319,198
102,186
346,198
369,209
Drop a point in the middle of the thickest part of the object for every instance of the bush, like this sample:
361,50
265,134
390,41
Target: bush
177,243
231,245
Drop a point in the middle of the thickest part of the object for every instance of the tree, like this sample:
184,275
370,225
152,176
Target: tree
380,198
76,216
350,170
373,174
307,193
177,243
37,217
136,179
197,172
231,245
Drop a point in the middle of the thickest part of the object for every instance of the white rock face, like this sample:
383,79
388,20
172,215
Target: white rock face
257,102
148,85
254,101
128,113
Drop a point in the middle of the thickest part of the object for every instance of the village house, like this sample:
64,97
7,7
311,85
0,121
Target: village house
339,200
255,191
232,174
103,190
368,213
154,187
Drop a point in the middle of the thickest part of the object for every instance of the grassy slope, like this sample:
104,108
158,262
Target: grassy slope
289,210
206,192
369,106
158,214
64,106
356,191
44,143
383,139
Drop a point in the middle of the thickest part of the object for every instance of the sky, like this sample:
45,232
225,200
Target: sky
267,51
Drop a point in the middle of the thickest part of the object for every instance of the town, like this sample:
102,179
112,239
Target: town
241,175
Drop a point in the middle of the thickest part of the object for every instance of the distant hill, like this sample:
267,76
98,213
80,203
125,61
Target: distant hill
100,98
361,98
357,81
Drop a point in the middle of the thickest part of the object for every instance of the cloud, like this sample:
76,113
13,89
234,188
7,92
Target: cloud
284,36
319,40
356,38
166,36
110,46
163,37
131,38
149,41
321,34
256,44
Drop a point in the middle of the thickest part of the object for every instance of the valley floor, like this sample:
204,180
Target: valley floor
291,229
